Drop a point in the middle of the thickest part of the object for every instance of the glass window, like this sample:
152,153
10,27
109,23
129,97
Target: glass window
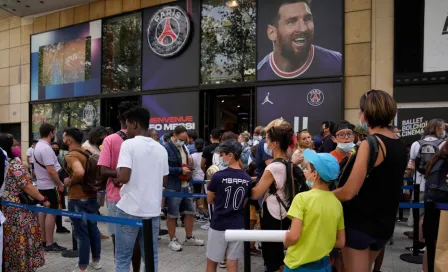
79,114
122,54
228,41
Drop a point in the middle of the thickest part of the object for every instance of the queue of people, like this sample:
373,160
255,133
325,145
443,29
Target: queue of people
319,189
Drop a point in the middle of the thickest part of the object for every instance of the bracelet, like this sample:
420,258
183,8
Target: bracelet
43,200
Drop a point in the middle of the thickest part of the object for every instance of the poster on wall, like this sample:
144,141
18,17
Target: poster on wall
304,106
435,36
171,45
411,122
171,110
66,62
84,115
303,39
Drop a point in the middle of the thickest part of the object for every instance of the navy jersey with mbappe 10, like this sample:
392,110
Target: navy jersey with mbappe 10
231,187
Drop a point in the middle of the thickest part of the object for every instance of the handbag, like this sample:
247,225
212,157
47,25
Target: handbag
27,199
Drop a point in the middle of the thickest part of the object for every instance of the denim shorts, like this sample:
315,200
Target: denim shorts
111,211
178,205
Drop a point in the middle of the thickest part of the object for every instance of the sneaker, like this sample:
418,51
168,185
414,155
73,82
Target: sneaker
79,270
62,230
96,265
163,232
223,264
174,245
54,248
193,242
420,250
206,226
255,252
201,219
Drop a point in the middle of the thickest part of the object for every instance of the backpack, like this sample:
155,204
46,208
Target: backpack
92,177
425,153
346,164
295,182
436,187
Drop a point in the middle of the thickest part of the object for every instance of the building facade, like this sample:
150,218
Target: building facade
221,77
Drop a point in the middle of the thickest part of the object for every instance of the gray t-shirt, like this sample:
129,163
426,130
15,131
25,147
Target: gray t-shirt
44,154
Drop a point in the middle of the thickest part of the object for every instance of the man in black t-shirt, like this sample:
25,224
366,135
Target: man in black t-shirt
207,153
327,142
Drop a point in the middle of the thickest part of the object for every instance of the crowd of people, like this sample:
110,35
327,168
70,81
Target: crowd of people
337,193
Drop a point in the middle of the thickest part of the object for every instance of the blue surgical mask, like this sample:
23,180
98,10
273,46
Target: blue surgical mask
267,150
363,125
180,143
243,144
223,163
444,134
309,183
346,147
257,138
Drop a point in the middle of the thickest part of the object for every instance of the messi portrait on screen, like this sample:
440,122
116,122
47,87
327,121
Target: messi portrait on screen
299,39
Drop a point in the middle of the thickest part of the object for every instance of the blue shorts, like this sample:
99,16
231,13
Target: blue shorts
322,265
178,205
361,241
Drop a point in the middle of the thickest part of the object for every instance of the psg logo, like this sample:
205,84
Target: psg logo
315,97
89,114
168,31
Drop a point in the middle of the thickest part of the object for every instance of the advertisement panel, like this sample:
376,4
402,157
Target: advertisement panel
170,110
66,62
299,40
303,106
436,36
171,46
411,122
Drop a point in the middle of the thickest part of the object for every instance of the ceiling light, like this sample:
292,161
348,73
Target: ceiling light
238,106
232,4
222,101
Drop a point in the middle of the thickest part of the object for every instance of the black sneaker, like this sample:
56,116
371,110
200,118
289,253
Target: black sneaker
62,230
55,248
420,250
163,232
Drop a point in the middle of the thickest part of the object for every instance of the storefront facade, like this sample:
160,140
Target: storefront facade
204,64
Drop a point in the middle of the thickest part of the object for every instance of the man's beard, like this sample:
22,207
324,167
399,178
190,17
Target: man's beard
288,52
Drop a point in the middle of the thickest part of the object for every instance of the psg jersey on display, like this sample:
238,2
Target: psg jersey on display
231,187
321,62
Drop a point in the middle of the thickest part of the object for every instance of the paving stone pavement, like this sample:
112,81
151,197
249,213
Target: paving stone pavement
192,259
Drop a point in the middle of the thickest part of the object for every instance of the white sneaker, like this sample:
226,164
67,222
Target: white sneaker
79,270
206,226
193,242
174,245
96,265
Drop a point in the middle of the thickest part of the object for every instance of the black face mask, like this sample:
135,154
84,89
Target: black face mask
56,152
322,132
64,146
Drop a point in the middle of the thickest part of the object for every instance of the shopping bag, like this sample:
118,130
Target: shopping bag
441,260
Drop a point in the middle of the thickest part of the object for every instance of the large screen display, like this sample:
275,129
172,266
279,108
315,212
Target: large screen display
66,62
299,40
172,109
305,106
436,36
170,56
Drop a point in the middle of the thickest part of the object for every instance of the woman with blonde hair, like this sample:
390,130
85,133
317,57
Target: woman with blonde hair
243,139
304,141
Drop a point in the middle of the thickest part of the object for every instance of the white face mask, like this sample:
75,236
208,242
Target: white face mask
267,150
346,147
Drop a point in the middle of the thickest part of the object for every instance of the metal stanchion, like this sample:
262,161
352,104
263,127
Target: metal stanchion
74,252
414,257
148,245
247,261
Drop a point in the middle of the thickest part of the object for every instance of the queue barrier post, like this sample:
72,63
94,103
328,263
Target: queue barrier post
414,257
247,261
148,245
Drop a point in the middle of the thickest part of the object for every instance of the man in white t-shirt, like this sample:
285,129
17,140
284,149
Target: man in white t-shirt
142,169
434,133
30,156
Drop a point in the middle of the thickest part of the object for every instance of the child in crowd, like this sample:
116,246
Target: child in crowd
317,219
227,191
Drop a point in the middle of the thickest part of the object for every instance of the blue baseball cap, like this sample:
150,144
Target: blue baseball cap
326,165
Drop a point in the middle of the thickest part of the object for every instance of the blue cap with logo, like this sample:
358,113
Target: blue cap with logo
326,165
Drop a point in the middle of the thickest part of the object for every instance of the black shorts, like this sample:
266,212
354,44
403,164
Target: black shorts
273,253
197,188
53,197
359,240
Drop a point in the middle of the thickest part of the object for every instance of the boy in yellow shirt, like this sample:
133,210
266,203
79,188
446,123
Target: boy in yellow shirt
317,219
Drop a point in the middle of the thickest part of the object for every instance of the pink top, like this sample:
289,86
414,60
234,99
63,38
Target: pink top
109,157
278,170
